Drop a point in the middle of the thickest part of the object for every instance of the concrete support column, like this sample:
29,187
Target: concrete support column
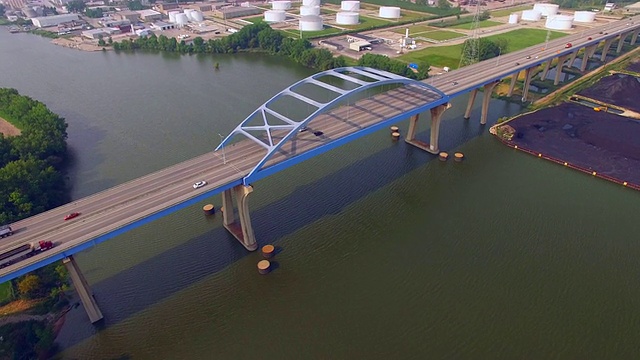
227,204
545,71
573,58
634,36
588,52
514,80
605,49
561,61
242,231
527,82
472,99
621,42
486,98
83,289
436,117
413,125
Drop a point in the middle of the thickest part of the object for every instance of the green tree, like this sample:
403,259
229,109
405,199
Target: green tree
75,6
29,287
2,9
135,5
444,4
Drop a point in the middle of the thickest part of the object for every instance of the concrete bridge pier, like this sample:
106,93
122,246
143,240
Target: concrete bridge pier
634,36
527,82
545,71
242,231
472,99
514,80
605,49
621,42
486,98
561,61
436,117
573,58
588,52
83,289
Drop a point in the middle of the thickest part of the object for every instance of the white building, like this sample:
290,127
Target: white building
46,21
609,6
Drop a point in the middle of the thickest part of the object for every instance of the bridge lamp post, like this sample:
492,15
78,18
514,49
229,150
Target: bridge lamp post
224,156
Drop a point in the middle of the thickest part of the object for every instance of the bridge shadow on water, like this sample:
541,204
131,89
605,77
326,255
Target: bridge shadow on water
174,270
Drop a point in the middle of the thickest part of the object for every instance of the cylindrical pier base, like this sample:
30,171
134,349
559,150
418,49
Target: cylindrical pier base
268,251
264,266
394,129
395,136
458,156
443,156
209,209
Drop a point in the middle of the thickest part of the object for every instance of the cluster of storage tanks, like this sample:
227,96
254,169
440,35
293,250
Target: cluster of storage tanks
389,12
310,19
349,14
182,18
554,20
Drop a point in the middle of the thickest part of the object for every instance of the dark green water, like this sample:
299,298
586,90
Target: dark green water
386,252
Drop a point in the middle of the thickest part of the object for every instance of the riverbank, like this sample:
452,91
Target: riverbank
78,44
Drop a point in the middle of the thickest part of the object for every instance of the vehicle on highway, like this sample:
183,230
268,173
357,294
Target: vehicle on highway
529,57
20,252
517,63
568,45
72,215
199,184
454,83
5,230
303,129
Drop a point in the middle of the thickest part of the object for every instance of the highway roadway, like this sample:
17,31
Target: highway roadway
126,206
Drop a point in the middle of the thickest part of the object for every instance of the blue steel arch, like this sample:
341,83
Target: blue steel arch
380,78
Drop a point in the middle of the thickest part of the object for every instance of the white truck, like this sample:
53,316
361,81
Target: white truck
5,230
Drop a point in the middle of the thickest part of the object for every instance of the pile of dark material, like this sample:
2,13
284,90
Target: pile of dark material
618,89
634,66
595,141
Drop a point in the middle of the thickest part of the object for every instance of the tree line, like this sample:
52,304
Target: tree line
261,37
30,178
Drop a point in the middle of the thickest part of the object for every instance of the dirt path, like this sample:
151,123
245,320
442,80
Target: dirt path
8,129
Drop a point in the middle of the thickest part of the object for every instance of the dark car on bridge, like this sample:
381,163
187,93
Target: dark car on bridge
568,45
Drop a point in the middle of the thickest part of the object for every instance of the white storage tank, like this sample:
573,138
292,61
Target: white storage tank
584,16
281,5
181,19
274,15
309,10
189,13
546,9
197,16
513,19
311,2
347,18
350,6
172,16
311,23
559,22
531,15
389,12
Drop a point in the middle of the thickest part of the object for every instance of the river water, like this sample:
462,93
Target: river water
385,252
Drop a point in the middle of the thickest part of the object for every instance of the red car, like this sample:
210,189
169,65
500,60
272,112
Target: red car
568,45
589,38
72,215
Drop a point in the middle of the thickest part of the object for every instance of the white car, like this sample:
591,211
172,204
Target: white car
199,184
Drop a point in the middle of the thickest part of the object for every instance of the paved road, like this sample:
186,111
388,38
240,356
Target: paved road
128,203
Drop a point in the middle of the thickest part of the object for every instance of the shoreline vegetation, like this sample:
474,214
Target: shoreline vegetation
31,181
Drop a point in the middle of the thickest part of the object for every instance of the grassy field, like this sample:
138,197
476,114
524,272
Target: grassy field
307,34
6,292
366,22
507,12
441,56
481,24
441,35
414,29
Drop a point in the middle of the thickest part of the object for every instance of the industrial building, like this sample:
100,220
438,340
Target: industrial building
149,15
95,34
236,11
46,21
132,16
162,26
164,8
360,45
